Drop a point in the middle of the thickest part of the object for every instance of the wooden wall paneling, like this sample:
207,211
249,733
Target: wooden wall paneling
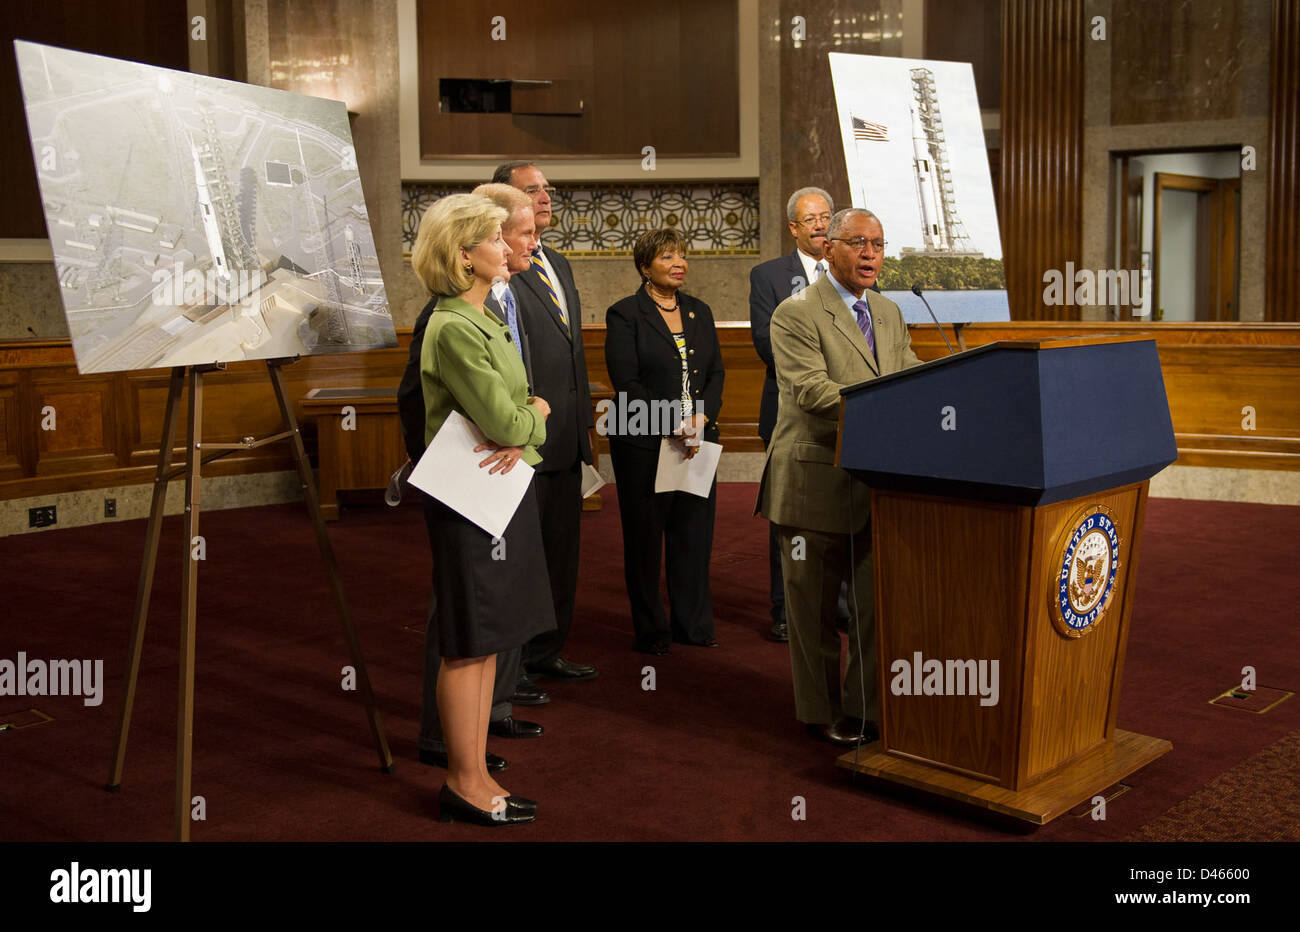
122,403
1042,148
84,434
145,396
642,72
1209,390
1282,249
1211,372
708,31
969,31
11,455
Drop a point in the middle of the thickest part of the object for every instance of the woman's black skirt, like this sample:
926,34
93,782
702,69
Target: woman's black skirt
492,595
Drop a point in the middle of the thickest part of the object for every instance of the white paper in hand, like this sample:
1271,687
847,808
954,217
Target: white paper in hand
676,473
450,472
591,480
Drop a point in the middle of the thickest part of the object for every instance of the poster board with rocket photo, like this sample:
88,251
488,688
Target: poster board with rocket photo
915,155
195,220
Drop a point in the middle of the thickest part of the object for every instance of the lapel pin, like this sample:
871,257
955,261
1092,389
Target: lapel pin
692,315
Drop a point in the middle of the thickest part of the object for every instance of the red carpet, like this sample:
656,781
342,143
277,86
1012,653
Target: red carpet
714,752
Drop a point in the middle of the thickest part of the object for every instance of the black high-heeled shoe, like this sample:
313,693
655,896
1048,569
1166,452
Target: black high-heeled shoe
451,807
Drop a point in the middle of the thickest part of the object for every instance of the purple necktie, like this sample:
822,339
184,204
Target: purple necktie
863,311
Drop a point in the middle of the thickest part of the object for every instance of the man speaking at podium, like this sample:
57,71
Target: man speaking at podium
835,333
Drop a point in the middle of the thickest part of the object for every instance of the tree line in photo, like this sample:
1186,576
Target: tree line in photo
944,273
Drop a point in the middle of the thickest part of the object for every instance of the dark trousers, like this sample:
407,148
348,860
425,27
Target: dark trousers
559,502
430,725
674,526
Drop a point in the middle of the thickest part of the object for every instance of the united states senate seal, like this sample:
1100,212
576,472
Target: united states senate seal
1087,563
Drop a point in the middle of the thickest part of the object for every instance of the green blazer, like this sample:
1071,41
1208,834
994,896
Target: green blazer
818,350
469,365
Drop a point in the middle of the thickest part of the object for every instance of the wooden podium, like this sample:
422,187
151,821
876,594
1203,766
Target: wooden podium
1009,485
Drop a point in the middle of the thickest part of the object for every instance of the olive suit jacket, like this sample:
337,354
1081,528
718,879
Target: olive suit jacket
469,364
818,350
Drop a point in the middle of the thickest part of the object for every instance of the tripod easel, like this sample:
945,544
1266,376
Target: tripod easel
196,454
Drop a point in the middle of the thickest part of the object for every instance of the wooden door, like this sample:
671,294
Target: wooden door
1217,243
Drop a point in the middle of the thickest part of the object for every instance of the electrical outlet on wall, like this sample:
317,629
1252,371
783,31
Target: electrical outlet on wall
43,516
110,508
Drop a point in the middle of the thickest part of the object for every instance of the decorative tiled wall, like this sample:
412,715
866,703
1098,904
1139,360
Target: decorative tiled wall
716,219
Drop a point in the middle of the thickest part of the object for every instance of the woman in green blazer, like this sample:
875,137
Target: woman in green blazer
468,364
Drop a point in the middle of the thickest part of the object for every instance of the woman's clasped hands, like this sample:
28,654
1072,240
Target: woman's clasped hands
503,459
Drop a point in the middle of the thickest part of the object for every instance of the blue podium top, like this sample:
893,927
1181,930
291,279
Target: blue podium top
1029,422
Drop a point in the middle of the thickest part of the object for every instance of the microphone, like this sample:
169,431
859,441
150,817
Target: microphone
916,290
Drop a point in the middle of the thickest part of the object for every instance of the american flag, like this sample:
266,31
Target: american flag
864,131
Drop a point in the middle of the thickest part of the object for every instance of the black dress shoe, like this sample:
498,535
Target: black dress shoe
557,668
657,647
841,733
452,807
529,693
706,642
439,759
852,725
780,633
511,727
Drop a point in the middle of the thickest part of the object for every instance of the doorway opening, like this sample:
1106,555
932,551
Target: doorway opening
1177,217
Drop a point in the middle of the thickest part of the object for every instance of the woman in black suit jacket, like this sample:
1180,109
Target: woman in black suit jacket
662,353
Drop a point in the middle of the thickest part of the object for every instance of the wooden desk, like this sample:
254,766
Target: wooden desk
358,440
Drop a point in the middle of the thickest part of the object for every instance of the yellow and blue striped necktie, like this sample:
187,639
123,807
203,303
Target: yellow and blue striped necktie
546,280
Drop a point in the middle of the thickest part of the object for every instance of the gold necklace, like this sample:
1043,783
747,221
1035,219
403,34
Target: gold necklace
667,310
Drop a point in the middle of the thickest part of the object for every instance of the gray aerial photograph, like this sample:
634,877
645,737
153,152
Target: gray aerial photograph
195,220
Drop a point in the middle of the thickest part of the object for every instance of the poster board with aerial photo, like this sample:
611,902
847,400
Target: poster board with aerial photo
915,155
195,220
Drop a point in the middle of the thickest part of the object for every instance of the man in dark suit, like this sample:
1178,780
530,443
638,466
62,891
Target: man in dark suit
833,334
808,212
552,315
520,235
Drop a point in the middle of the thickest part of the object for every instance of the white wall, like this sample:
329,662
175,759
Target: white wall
1177,270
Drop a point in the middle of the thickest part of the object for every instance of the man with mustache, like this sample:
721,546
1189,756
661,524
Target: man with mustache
833,334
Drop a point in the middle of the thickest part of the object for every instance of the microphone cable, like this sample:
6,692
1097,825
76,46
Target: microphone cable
857,633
